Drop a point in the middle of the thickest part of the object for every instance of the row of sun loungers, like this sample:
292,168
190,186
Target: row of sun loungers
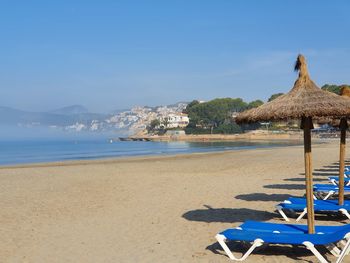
336,239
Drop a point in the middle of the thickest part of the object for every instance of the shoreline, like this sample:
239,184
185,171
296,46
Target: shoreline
256,135
249,136
144,157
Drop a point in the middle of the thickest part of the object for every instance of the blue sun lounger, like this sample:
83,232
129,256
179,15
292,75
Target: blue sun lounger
336,177
335,180
295,204
298,200
328,189
288,228
260,233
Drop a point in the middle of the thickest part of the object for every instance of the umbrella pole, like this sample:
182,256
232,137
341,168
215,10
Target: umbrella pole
343,126
307,126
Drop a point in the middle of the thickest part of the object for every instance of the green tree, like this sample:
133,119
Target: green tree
255,104
207,117
228,128
154,124
333,88
165,122
190,105
274,96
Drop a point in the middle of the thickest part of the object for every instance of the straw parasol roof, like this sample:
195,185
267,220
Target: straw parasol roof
345,91
305,99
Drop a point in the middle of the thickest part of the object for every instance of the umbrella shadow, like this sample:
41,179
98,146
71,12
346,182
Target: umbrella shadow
285,186
325,174
332,166
337,163
327,170
263,197
227,215
303,180
321,174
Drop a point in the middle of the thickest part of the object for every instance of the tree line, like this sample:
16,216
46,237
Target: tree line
334,88
216,116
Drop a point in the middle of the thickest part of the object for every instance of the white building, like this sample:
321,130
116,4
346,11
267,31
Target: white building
175,120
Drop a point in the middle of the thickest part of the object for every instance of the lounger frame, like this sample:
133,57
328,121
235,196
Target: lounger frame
304,212
335,182
328,195
337,252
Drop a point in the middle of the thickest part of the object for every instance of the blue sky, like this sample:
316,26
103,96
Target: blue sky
115,54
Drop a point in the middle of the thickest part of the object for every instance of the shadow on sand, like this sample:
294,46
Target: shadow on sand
325,174
285,186
322,174
227,215
331,170
263,197
303,180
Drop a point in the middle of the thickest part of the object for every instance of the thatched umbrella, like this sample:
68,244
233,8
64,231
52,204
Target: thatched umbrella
304,102
345,92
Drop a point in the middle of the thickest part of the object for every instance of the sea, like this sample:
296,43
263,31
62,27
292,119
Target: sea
27,151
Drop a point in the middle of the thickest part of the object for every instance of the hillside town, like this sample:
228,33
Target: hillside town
136,120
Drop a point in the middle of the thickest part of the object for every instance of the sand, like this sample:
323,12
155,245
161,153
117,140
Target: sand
153,209
253,135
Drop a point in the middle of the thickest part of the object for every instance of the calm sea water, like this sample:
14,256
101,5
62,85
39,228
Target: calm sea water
34,151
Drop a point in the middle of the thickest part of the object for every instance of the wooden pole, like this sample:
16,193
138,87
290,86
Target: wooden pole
307,126
343,126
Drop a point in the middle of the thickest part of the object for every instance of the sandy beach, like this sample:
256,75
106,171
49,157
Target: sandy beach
256,135
151,209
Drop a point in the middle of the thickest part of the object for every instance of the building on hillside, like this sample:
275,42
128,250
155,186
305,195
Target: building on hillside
234,115
175,120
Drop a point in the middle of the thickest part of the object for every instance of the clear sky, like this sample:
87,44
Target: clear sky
115,54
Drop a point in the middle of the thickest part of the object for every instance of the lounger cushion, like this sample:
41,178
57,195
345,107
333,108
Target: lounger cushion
283,238
289,228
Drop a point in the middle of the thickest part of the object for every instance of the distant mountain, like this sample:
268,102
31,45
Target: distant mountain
80,114
77,118
59,118
69,110
11,116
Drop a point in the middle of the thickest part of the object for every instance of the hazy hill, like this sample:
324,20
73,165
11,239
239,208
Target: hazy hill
60,117
78,118
10,116
69,110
